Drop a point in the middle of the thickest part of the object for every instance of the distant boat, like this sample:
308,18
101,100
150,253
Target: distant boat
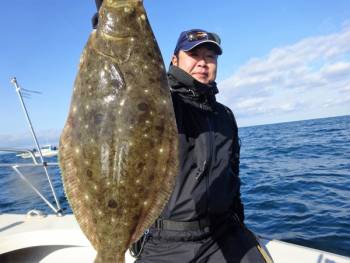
46,150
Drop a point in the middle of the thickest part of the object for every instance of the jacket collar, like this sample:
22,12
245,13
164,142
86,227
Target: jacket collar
186,86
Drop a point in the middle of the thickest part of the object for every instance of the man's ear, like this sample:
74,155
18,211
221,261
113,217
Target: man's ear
174,60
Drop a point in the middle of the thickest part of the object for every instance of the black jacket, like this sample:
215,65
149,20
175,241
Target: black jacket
208,184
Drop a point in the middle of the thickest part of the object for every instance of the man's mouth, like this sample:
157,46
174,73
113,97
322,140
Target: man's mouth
202,74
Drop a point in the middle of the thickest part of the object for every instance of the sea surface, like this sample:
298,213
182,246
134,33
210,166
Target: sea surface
295,183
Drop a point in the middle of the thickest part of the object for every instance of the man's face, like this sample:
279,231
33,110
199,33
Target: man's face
200,63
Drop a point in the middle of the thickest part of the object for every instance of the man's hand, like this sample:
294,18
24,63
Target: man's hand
94,19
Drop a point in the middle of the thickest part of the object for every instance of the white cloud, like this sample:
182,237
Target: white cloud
338,69
250,103
291,82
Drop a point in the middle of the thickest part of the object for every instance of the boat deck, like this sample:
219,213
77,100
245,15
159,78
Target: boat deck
51,238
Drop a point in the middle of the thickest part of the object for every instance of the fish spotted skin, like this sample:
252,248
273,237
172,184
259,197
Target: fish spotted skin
118,150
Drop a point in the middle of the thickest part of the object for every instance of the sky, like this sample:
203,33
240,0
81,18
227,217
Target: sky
282,61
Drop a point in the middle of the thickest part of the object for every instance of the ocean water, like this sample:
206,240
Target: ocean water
295,183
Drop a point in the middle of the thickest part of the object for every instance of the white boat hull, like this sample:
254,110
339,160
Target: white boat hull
46,151
59,239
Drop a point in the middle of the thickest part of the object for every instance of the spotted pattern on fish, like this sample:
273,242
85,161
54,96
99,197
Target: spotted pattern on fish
118,149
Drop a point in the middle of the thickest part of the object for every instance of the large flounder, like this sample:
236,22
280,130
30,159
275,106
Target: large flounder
118,149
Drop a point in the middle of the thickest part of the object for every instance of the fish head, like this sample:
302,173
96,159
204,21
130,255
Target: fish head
122,19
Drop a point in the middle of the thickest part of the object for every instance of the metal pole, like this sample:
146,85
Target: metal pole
18,90
57,211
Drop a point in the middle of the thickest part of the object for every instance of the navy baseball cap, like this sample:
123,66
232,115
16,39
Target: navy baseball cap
192,38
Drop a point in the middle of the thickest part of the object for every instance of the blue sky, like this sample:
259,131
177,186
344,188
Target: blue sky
282,60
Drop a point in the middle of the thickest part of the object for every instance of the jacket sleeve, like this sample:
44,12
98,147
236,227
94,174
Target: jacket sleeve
238,207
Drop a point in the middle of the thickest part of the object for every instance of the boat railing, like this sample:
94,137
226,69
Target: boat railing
20,151
17,166
34,163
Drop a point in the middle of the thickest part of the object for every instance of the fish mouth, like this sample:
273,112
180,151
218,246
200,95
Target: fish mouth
121,3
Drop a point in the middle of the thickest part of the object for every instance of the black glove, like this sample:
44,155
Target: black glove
94,19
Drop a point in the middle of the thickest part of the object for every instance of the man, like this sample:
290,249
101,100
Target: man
203,220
